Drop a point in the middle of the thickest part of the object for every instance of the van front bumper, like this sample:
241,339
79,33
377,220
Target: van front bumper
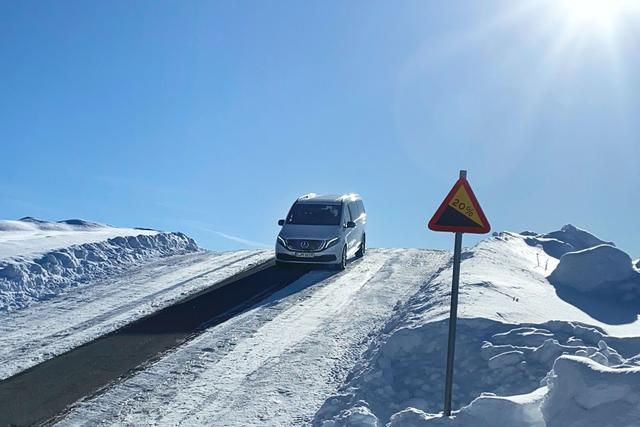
330,255
314,259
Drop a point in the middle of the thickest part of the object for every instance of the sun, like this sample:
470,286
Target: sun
596,15
590,10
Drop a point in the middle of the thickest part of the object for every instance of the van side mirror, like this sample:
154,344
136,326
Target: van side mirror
351,224
281,222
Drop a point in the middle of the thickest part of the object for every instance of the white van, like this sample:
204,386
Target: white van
322,230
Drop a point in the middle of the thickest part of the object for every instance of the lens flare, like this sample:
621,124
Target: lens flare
598,15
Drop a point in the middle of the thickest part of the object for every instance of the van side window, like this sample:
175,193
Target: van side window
353,212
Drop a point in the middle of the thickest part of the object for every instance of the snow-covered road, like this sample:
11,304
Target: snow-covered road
49,328
275,363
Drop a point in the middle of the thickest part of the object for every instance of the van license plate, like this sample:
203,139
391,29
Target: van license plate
304,255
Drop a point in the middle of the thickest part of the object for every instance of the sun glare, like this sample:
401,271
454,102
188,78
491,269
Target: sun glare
601,15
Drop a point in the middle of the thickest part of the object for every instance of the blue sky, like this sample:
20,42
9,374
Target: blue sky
211,117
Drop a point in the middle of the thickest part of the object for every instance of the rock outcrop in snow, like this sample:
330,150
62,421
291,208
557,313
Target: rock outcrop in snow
37,264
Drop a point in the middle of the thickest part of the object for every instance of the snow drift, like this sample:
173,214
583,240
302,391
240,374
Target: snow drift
584,393
603,269
517,343
42,259
488,410
406,370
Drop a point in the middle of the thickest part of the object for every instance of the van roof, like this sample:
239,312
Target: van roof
328,198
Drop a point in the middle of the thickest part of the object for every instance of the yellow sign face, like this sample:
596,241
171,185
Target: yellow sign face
463,204
460,212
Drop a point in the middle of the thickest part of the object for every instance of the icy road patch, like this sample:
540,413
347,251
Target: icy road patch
275,363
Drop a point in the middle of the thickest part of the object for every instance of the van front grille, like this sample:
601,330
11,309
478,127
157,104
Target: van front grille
305,244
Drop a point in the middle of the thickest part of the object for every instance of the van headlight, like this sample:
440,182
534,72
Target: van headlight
282,242
331,242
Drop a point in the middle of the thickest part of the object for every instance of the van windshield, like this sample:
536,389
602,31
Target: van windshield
314,214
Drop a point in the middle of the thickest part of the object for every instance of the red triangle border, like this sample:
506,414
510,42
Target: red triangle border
433,223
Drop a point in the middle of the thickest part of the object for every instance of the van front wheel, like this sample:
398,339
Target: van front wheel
343,260
363,247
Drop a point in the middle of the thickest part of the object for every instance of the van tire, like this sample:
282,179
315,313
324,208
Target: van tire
363,247
343,260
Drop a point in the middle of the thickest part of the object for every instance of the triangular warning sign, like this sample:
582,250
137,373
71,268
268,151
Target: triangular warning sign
460,212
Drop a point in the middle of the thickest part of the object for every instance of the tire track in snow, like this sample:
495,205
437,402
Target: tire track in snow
274,338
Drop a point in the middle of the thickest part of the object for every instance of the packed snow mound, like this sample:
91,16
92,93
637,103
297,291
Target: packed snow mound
602,268
584,393
32,274
568,239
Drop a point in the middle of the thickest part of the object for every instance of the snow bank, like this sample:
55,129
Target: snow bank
31,237
585,393
512,327
579,392
488,410
406,369
602,268
34,224
30,270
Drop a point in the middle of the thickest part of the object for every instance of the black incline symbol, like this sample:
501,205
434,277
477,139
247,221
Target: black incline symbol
453,217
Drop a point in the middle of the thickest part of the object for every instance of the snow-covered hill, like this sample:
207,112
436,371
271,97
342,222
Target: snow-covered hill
531,350
28,238
41,259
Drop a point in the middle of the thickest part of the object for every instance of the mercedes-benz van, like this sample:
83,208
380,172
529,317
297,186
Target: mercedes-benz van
322,229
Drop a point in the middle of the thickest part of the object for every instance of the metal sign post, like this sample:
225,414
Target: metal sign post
460,213
453,317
